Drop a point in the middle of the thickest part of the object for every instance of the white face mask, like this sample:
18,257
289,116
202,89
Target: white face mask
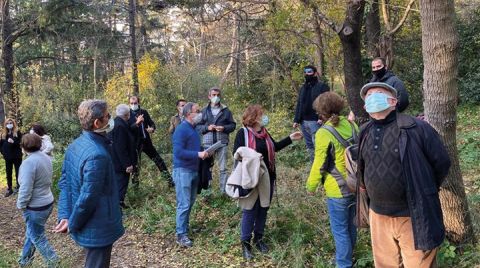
134,107
107,128
9,126
31,131
197,118
215,100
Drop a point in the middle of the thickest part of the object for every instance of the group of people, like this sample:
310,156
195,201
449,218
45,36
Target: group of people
401,165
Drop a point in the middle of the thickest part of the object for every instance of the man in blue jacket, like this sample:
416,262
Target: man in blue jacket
402,162
216,125
88,206
186,155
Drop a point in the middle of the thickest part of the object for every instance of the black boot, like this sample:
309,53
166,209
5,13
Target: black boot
164,170
247,250
260,244
168,177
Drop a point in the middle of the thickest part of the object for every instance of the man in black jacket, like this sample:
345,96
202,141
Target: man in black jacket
124,154
305,115
402,162
142,126
216,125
381,74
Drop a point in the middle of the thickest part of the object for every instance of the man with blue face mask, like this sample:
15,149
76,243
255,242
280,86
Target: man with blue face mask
216,125
402,162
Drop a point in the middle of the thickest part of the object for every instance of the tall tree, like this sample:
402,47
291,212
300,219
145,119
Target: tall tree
372,29
439,49
349,33
132,10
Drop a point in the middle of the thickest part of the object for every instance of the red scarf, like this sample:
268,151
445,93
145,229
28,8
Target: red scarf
263,135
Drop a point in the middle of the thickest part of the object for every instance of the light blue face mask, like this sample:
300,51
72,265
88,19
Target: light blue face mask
265,121
377,102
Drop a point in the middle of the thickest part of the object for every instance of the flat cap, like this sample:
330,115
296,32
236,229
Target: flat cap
385,86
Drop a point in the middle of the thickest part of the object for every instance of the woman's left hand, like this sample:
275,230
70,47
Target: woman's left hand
296,136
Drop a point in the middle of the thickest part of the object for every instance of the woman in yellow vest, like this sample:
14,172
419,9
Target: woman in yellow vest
329,169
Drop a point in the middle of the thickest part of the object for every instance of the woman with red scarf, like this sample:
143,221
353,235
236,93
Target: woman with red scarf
253,220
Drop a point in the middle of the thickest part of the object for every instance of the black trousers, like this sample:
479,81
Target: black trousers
9,164
148,148
98,257
122,182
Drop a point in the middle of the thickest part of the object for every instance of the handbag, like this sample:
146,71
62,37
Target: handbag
362,209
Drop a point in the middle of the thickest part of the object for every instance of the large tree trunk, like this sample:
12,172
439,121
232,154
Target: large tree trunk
350,36
372,30
7,94
439,49
131,15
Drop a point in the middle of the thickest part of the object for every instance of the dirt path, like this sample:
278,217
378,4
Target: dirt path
134,249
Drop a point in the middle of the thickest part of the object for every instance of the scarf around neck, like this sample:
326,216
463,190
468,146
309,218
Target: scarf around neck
263,135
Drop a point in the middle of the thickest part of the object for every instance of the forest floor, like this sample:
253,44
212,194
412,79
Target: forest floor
134,249
297,230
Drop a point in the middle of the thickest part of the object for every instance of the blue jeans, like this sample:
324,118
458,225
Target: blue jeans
309,128
186,183
35,237
342,212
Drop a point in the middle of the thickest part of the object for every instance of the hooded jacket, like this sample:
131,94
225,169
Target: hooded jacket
249,173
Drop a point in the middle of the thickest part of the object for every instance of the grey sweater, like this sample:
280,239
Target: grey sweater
35,178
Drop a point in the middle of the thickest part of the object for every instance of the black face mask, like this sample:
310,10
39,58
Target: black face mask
380,72
310,78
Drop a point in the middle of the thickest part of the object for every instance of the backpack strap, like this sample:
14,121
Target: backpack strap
345,142
337,135
245,136
354,133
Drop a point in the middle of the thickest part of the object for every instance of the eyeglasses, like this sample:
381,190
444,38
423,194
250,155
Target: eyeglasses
308,71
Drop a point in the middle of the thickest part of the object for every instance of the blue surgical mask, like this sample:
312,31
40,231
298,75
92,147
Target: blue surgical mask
377,102
264,121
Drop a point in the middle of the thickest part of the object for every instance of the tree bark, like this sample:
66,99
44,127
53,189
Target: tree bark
372,30
319,45
232,52
131,15
350,37
7,100
439,49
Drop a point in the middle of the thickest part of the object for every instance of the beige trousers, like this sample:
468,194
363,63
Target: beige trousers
393,246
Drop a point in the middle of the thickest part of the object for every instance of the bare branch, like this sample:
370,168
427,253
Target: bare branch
405,15
321,16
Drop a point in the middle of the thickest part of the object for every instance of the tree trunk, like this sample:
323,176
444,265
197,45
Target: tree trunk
133,49
372,30
7,100
143,30
232,53
319,45
237,56
439,49
350,37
